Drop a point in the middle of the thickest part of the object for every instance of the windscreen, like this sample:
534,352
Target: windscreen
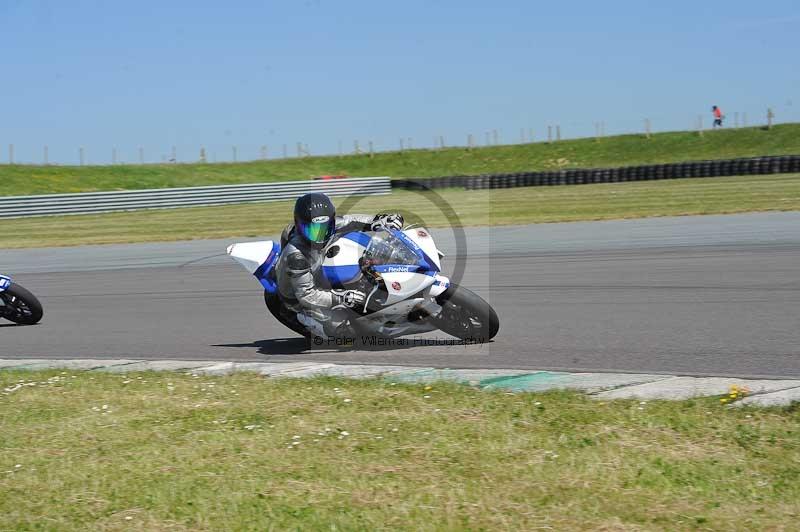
387,249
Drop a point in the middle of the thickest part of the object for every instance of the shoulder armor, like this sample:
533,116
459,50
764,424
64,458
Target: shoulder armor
297,263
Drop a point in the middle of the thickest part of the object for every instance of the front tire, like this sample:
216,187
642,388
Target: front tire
20,306
466,315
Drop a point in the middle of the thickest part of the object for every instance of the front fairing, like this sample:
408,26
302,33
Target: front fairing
390,262
397,251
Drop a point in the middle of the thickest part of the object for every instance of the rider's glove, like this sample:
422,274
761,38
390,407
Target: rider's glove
387,221
348,298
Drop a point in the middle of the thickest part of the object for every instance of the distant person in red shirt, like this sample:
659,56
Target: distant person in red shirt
718,116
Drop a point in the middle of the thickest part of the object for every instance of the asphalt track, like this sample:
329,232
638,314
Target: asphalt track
711,295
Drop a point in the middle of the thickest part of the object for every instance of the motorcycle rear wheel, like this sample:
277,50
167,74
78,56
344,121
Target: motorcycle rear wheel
466,315
280,313
20,306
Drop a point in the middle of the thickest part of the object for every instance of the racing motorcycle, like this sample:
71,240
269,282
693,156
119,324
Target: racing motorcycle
17,304
399,271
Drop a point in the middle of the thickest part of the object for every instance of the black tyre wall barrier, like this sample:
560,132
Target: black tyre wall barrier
580,176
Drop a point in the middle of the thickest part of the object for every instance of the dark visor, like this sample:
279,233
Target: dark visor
317,232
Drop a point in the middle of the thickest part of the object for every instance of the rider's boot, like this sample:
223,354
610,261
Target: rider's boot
346,333
314,327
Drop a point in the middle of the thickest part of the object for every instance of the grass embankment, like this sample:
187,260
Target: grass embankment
158,451
495,207
610,151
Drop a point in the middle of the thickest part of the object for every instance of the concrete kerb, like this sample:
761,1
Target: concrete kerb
76,364
687,387
778,398
762,392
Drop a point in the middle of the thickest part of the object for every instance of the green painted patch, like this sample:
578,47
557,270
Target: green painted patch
541,380
489,379
464,376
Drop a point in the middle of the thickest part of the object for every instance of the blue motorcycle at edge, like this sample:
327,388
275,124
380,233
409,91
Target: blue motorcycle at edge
17,304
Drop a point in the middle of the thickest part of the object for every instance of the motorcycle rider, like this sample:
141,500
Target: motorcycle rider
315,223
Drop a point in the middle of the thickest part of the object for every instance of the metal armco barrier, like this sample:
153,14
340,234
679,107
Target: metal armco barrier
129,200
581,176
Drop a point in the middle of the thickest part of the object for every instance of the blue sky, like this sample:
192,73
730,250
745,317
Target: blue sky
156,74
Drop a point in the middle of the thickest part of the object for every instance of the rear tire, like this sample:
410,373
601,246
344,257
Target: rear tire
21,306
466,315
282,314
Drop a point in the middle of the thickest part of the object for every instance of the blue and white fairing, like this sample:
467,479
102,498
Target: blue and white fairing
341,265
407,261
259,258
5,282
402,265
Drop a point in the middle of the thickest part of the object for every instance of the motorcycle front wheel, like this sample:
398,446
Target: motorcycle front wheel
20,306
466,315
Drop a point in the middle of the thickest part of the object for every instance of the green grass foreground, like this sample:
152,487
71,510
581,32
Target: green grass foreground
621,150
169,451
473,208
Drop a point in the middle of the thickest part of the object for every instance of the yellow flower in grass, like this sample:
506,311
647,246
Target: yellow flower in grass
740,390
734,393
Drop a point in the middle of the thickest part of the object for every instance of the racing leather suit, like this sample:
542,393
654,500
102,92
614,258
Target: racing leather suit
299,265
